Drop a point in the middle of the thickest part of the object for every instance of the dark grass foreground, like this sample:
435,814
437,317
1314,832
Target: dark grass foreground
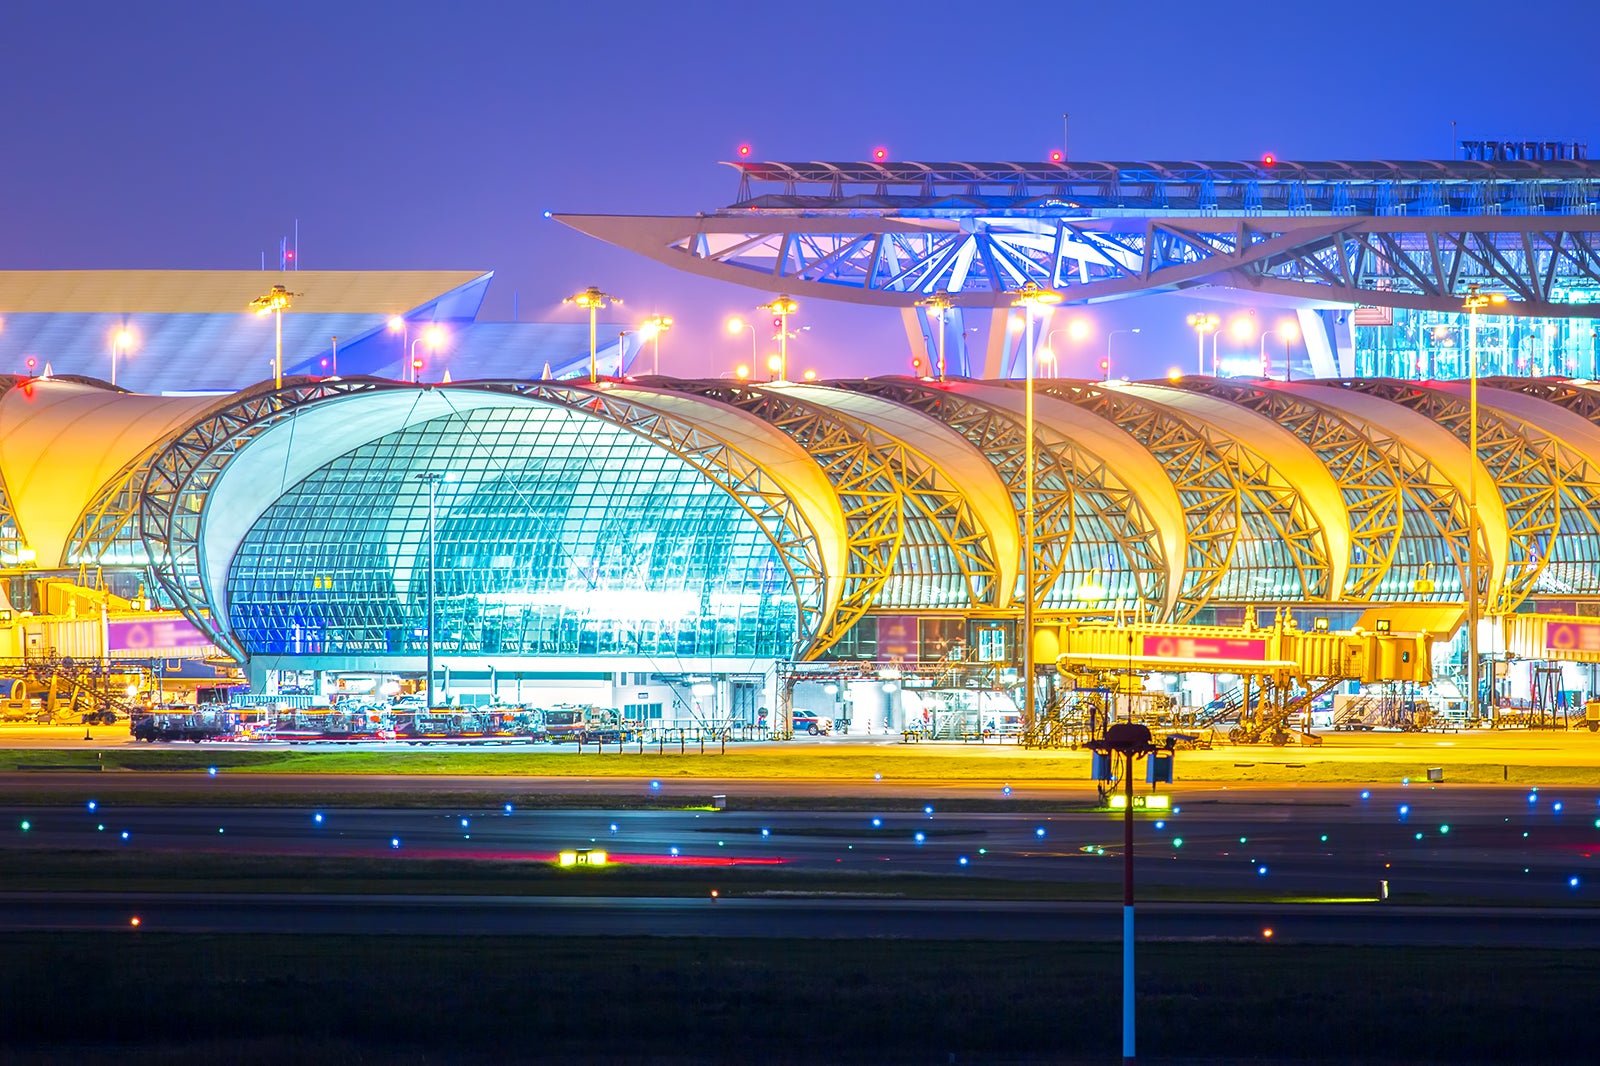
137,998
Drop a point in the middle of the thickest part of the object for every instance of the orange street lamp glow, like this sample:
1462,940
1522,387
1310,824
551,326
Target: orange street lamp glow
594,301
275,303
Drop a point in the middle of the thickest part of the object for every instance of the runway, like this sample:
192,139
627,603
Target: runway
1370,923
1323,858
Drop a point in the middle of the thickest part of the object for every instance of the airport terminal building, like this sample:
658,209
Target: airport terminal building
652,543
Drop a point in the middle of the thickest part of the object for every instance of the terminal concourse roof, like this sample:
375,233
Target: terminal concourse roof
1149,493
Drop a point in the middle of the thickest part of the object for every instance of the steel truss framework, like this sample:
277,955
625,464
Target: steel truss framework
1391,494
1547,486
171,486
916,539
1073,489
1225,488
885,486
1398,234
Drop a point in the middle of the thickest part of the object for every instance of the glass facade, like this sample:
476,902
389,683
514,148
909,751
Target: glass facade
555,534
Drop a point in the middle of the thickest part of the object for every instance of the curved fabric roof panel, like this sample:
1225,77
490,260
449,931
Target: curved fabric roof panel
882,496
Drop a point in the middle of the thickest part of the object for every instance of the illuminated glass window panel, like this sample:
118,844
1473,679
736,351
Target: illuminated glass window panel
556,534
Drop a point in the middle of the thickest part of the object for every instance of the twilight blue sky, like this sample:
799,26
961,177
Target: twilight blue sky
413,135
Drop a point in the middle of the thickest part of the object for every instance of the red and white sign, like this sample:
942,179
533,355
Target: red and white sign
170,638
1191,648
1572,636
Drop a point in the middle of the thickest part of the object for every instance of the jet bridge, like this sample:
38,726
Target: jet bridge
1287,667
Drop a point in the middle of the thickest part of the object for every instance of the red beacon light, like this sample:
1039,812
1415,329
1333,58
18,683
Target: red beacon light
744,151
1268,159
880,154
1058,156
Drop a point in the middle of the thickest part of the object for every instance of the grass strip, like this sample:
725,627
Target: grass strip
137,998
860,764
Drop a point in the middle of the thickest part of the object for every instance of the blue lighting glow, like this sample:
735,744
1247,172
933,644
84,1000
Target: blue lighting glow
317,818
212,770
93,805
1366,795
928,811
1006,791
766,832
124,834
655,784
463,823
877,823
508,808
1261,870
1161,825
1039,832
919,838
962,861
1572,882
1556,807
1533,797
394,842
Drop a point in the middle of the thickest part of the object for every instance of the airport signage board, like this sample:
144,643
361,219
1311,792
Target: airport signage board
1572,636
149,638
1191,648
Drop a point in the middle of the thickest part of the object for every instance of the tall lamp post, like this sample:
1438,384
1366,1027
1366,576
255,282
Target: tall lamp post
275,303
433,336
738,325
1113,333
1030,297
1287,332
1130,740
593,299
1474,302
651,329
431,479
121,344
1202,324
783,307
938,306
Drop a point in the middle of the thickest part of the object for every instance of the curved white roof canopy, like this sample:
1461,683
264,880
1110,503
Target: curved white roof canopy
1138,470
60,441
951,453
1283,452
276,460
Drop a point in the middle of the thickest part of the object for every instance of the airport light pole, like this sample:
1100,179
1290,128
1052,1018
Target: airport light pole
433,336
651,329
121,343
593,299
275,303
1030,297
735,326
432,481
1202,324
783,307
938,305
1474,302
1130,740
1113,333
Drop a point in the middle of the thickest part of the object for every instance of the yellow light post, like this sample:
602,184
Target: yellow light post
1202,324
1288,332
938,306
1107,365
434,338
651,330
783,307
735,327
121,344
1474,302
1030,297
275,303
593,299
